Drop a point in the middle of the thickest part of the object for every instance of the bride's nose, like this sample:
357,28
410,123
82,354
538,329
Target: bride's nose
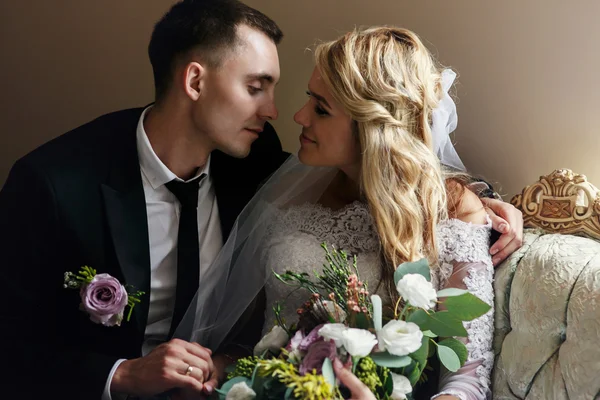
301,117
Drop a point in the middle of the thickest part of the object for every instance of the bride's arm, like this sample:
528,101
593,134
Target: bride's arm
464,246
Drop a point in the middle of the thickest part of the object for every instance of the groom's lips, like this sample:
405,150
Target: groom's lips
255,131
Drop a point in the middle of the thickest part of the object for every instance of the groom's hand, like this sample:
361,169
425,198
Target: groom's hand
507,220
221,362
165,368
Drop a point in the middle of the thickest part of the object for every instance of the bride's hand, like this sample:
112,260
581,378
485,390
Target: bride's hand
358,389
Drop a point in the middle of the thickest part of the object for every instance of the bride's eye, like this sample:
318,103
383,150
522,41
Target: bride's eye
318,109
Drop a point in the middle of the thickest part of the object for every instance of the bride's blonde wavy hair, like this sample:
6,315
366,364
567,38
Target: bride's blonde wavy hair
388,82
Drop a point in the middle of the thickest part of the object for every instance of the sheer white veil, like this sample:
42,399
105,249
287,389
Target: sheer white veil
239,272
444,120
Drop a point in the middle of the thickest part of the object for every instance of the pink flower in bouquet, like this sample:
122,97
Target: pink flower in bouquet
104,299
311,338
316,355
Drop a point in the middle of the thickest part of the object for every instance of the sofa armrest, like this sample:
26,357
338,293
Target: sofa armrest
547,312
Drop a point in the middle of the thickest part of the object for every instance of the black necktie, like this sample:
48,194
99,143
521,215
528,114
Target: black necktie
188,249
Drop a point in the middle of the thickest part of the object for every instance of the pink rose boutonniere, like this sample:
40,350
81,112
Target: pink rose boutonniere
102,296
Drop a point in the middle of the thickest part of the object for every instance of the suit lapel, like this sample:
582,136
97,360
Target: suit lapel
125,205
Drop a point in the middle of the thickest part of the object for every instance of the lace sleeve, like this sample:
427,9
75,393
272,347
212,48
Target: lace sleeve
466,264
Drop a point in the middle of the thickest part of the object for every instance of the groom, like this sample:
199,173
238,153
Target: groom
144,195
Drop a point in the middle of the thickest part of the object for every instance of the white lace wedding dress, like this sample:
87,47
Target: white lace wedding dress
295,244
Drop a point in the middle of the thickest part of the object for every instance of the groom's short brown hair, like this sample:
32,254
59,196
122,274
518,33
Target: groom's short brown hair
207,26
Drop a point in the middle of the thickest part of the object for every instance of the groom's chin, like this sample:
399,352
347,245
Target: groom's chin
239,150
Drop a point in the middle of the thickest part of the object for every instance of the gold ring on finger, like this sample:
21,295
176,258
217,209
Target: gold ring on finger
189,370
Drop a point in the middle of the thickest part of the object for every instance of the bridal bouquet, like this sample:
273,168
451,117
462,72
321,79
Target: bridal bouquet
388,351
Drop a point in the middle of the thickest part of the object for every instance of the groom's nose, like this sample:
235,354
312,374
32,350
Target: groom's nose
269,110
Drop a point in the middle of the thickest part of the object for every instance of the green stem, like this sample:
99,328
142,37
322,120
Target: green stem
403,311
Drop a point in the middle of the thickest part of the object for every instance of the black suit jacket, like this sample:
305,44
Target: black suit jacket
78,200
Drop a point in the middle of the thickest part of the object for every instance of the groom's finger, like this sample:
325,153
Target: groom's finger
201,370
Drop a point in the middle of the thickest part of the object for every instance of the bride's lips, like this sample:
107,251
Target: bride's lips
304,139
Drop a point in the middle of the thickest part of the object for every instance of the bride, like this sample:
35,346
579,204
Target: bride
371,99
376,120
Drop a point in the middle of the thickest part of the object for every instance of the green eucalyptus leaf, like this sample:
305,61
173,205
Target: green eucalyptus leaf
388,384
451,292
420,356
466,307
385,359
442,323
414,373
224,389
289,394
449,358
420,267
459,348
328,373
258,382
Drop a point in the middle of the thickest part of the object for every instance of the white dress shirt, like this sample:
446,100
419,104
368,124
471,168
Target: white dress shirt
163,211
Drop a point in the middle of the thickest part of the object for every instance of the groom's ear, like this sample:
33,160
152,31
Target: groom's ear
194,74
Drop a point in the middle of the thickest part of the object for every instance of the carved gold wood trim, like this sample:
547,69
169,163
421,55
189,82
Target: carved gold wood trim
562,202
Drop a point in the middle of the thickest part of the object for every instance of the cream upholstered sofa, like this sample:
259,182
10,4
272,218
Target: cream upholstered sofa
547,338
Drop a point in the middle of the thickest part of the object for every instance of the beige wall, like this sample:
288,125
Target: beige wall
529,87
66,62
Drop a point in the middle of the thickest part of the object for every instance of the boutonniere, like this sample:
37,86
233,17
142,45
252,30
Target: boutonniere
102,296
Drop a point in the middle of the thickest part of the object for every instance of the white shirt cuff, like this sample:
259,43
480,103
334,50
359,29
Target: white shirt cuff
106,395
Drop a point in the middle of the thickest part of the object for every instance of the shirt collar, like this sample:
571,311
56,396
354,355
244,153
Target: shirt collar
152,167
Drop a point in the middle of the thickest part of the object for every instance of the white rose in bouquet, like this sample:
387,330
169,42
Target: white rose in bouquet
333,332
415,289
401,387
240,391
274,340
359,342
401,338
